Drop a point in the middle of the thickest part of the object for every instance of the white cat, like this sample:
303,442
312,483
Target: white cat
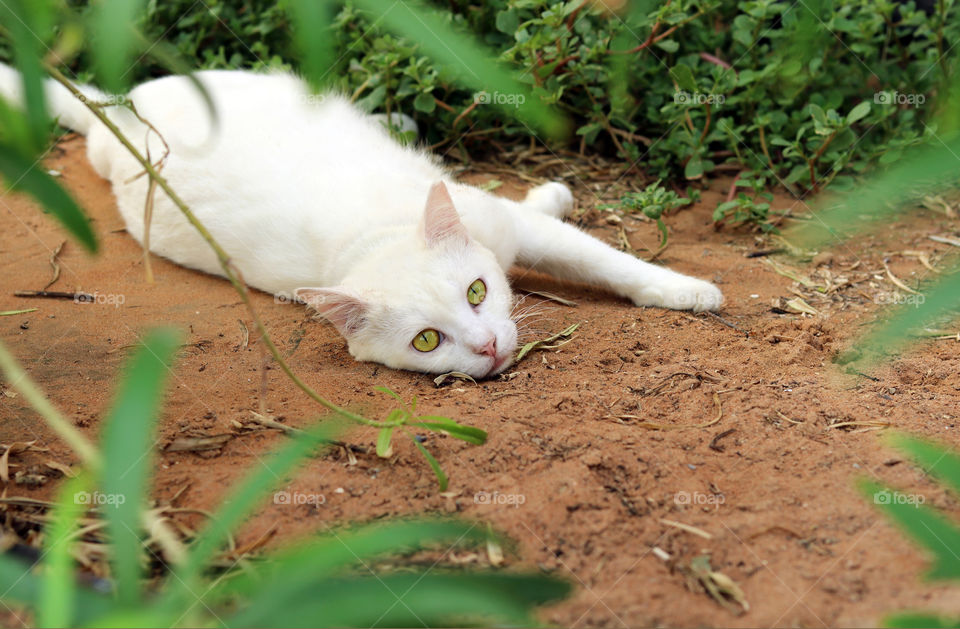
311,197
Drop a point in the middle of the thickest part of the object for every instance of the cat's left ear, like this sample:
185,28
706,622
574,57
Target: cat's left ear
346,310
441,223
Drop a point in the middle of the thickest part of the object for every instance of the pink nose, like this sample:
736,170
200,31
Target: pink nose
490,349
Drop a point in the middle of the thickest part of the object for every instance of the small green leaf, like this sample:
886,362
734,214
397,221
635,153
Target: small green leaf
683,75
441,477
389,392
508,21
694,168
385,442
469,434
663,232
28,177
425,102
858,112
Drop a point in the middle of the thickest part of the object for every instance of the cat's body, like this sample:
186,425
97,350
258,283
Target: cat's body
306,191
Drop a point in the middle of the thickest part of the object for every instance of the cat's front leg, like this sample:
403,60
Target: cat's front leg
550,245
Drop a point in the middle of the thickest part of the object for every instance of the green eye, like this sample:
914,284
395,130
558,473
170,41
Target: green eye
476,292
426,341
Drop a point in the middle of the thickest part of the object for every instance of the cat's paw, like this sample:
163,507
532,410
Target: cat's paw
553,199
685,293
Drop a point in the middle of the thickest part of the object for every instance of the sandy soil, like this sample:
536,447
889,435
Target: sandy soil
590,489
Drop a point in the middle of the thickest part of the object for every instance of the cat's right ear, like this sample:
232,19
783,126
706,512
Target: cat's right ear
346,310
441,223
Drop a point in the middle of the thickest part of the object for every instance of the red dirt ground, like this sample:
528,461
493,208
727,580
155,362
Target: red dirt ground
771,482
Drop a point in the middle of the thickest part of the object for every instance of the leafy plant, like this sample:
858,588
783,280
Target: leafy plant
932,531
326,581
404,418
746,208
648,84
921,170
653,202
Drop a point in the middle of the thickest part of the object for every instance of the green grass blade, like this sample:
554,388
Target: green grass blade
941,298
58,590
441,476
20,585
114,35
294,570
384,438
418,599
937,164
936,460
25,176
127,456
923,524
469,434
920,619
239,504
30,24
462,54
313,39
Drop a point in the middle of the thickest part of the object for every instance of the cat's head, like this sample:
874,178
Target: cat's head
437,303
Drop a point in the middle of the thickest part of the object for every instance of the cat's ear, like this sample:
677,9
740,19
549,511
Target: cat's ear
441,223
346,310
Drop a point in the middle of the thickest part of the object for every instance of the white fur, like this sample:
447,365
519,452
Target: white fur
307,191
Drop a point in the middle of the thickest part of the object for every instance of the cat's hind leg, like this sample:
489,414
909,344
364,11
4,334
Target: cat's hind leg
560,249
553,199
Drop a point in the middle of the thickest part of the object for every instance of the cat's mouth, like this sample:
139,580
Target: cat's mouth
499,364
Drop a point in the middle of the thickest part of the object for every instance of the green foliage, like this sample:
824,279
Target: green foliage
753,208
405,417
648,85
939,536
321,582
653,202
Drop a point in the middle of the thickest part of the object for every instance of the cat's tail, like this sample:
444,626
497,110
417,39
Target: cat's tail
69,111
